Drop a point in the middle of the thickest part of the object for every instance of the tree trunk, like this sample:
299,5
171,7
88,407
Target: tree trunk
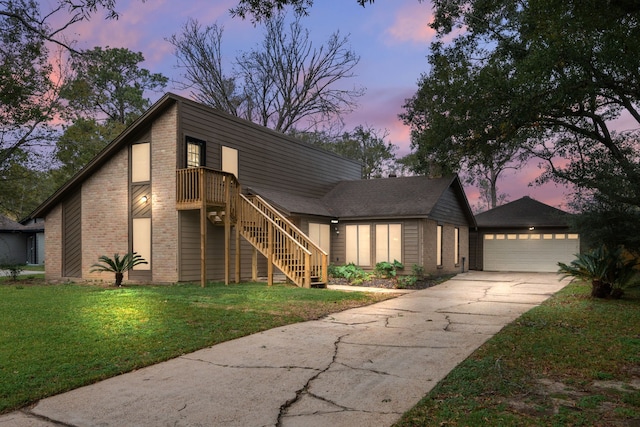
119,277
600,289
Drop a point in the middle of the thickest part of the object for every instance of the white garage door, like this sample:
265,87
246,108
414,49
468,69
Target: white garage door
539,252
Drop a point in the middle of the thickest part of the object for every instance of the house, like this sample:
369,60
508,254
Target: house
203,195
21,244
525,235
414,220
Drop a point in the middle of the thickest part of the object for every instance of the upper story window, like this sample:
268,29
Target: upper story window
195,152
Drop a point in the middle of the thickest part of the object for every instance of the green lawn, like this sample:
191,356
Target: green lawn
59,337
573,361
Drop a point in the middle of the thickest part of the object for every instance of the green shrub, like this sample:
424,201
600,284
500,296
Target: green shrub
386,269
14,270
609,271
405,282
118,265
350,271
418,271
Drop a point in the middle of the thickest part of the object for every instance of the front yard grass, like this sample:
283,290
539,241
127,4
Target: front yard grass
55,338
573,361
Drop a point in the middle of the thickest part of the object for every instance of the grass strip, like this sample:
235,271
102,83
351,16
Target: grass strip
56,338
573,361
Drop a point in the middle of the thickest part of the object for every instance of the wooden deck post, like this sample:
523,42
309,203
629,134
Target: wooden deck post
203,229
270,255
325,269
237,253
227,232
254,265
307,270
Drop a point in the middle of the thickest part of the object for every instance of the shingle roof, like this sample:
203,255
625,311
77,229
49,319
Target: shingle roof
524,212
386,197
7,224
291,203
368,198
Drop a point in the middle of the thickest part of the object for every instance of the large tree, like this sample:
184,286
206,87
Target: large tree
280,84
456,122
28,98
107,90
548,77
364,144
265,9
29,89
108,84
37,21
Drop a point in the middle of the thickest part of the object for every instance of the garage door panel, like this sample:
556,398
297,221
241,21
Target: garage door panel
524,253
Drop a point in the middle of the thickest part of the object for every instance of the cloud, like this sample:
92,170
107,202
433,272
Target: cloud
411,24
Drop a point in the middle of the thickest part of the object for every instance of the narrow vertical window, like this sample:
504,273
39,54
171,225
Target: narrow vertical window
358,244
456,246
230,160
195,152
439,246
141,162
388,242
320,234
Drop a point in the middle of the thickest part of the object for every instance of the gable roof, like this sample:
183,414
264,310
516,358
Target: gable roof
139,126
415,196
524,212
103,156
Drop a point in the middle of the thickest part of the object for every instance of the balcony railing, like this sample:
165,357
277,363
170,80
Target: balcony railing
198,187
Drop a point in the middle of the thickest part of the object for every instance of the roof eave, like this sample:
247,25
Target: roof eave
102,156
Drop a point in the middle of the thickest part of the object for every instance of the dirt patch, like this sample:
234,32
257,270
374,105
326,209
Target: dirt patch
548,397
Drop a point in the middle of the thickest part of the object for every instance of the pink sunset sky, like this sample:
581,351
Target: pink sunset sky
391,37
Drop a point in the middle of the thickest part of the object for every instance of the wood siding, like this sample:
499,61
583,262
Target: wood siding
72,236
189,251
266,159
411,244
449,209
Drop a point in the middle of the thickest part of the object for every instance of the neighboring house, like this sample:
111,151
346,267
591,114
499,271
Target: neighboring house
21,244
203,195
524,235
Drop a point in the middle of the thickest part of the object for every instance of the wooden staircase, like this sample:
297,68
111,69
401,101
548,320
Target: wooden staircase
219,198
282,243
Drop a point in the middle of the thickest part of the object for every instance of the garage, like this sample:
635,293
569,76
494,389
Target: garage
524,236
537,252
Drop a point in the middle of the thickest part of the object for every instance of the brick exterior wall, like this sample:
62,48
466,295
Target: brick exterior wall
105,217
448,242
164,228
53,243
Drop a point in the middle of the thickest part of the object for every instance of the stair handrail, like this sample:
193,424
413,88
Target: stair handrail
289,224
274,223
302,256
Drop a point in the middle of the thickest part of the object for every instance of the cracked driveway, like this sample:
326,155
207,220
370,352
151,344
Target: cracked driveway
361,367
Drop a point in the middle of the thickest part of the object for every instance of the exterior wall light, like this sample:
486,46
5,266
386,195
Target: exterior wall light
532,228
144,199
334,221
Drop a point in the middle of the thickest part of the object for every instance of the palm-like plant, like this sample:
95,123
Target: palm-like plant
118,265
607,270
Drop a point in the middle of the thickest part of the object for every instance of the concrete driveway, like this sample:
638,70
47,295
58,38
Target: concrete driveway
361,367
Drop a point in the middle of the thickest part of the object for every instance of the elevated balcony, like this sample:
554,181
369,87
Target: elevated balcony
205,188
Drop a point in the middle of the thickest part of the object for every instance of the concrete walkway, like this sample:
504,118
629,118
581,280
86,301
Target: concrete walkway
361,367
